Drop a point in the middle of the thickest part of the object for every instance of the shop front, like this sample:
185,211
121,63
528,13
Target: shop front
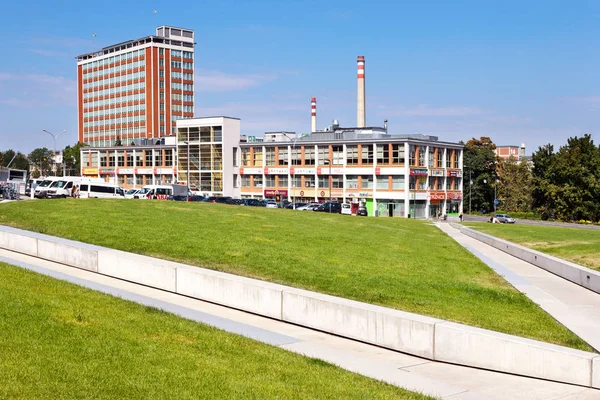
453,204
390,208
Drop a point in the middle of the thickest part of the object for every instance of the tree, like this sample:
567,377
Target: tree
515,186
14,159
480,167
41,158
72,158
567,183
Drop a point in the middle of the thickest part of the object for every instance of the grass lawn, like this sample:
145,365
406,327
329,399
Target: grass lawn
404,264
581,246
62,341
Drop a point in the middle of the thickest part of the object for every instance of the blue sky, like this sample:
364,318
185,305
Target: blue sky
516,71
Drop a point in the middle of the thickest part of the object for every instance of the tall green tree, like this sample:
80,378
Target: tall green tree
72,158
515,185
542,201
479,170
41,158
17,160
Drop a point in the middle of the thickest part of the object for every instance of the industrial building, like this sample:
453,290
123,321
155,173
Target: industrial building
507,151
137,89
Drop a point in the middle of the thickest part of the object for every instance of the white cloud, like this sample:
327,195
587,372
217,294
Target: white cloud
48,53
37,90
217,81
424,110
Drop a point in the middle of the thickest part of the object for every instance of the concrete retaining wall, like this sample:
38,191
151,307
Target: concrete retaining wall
575,273
427,337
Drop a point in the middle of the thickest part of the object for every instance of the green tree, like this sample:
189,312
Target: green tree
515,186
72,158
16,160
542,200
41,158
479,168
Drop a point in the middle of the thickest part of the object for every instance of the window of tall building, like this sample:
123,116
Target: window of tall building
296,156
258,180
383,154
367,182
148,158
283,181
111,160
456,159
121,160
161,51
270,181
431,154
296,181
398,154
367,154
270,156
245,180
169,158
383,182
440,158
398,183
412,155
282,158
352,155
448,158
245,153
421,156
337,182
258,156
323,154
338,155
323,182
352,182
309,181
309,155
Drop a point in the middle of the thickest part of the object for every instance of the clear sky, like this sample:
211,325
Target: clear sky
518,71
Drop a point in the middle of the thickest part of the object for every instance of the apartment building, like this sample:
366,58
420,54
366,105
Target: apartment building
393,175
136,89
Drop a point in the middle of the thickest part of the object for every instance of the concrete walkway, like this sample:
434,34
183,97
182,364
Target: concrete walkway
572,305
437,379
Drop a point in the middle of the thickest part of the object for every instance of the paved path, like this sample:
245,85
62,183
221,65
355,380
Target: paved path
481,218
438,379
572,305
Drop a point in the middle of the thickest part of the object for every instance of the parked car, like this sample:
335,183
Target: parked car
505,219
131,193
308,207
235,202
346,208
329,207
252,202
296,206
271,204
362,211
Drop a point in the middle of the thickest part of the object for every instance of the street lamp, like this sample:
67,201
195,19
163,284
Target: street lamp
329,181
54,137
470,184
188,171
294,176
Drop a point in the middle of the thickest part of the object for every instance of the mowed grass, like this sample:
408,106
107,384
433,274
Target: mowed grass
399,263
581,246
62,341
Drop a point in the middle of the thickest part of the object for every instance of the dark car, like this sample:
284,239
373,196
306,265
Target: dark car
293,206
252,202
362,212
329,207
210,199
235,202
223,199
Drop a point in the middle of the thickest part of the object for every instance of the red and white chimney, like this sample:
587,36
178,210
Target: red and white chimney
361,107
313,114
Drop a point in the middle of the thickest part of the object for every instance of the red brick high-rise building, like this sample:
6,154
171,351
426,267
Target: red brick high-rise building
136,89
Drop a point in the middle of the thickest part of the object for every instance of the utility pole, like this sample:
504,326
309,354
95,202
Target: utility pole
470,184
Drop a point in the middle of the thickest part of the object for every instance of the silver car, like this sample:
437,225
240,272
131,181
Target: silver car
505,219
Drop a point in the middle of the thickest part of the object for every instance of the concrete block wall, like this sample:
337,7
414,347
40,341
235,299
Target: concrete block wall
575,273
423,336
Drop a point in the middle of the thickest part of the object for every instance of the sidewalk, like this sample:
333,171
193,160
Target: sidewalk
572,305
445,381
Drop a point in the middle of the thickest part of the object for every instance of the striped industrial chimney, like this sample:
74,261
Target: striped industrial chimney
313,114
361,106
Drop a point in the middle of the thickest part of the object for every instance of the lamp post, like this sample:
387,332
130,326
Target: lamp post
294,175
188,171
54,137
470,184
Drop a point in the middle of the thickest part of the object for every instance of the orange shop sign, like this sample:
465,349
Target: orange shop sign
90,171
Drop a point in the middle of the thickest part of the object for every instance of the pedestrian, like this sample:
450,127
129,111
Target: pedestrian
460,217
439,215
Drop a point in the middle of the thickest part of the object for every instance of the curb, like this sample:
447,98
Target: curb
431,338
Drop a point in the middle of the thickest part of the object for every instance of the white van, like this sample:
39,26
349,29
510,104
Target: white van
100,190
64,187
346,209
161,192
41,191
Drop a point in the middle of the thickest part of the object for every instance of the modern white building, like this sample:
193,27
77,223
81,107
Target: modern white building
206,152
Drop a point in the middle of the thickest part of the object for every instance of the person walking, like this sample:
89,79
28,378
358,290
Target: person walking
460,217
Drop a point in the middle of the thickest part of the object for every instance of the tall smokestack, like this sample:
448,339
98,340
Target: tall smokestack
361,106
313,114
